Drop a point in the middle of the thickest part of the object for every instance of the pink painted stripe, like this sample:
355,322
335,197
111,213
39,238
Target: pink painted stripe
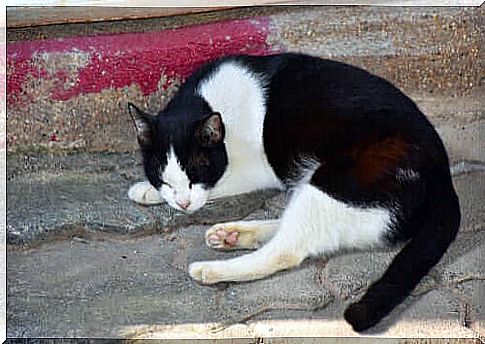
3,126
120,60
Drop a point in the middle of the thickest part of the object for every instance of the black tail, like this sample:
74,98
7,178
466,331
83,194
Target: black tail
414,261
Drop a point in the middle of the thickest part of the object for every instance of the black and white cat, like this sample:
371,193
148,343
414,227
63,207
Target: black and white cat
364,165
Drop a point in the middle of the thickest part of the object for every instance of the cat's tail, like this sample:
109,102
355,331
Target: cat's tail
418,256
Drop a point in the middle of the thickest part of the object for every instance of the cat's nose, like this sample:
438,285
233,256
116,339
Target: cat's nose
184,204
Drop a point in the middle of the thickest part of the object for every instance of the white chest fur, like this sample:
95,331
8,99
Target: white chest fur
239,96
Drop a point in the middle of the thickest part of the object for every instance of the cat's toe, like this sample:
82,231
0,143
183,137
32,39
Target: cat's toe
221,237
144,193
204,272
360,317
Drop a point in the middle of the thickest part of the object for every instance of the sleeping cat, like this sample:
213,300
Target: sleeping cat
364,166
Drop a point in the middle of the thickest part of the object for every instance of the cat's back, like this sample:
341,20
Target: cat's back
291,84
331,110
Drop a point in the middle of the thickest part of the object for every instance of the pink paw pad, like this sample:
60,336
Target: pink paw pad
222,239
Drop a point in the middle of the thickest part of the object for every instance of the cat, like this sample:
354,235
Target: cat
363,165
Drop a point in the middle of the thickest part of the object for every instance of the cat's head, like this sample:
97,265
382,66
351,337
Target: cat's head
183,155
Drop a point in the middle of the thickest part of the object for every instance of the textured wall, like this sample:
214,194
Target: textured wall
68,90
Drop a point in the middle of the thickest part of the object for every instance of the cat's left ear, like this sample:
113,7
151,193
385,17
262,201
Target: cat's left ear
211,130
143,123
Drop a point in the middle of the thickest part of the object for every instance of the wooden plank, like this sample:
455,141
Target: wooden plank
38,16
224,3
78,11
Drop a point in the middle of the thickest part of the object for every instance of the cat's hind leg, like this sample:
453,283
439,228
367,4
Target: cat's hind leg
241,234
313,223
144,193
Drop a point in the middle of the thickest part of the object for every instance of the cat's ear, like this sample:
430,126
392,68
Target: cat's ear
210,131
143,124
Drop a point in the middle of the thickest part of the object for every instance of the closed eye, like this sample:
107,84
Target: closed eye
167,184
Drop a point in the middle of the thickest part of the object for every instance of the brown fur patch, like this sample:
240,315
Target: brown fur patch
377,159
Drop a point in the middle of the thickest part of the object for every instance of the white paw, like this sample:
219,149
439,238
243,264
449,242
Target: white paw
144,193
231,235
221,237
206,272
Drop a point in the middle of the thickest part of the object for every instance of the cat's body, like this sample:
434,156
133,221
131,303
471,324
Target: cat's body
364,165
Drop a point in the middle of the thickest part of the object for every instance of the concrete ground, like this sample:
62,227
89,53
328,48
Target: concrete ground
84,261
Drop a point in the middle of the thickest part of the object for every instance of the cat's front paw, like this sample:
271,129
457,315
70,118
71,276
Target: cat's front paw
231,235
222,237
206,272
144,193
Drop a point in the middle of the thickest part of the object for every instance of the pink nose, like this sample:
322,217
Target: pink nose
183,204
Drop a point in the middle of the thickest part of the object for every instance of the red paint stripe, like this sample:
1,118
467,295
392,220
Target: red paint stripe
120,60
3,127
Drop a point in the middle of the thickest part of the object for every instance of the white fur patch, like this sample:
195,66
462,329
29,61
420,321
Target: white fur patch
175,177
144,193
239,96
316,223
177,189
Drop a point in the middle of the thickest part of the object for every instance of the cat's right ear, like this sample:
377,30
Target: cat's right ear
143,124
211,131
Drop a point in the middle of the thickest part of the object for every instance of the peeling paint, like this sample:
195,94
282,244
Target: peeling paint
77,87
91,64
